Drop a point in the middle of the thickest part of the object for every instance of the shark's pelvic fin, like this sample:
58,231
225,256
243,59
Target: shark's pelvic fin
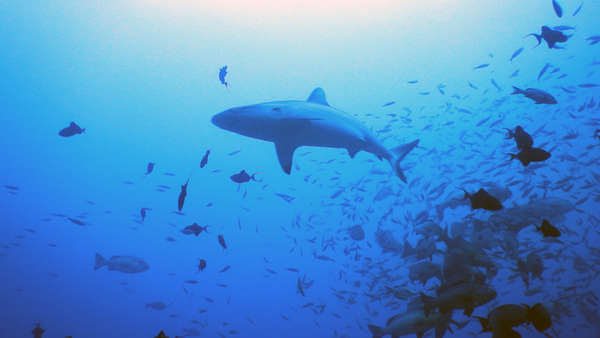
318,96
285,154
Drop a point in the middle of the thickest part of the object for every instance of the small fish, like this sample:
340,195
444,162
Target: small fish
143,213
537,95
204,159
243,177
546,66
563,28
149,168
413,81
548,230
222,74
225,268
516,53
472,86
514,74
481,66
222,241
194,229
578,9
495,84
529,155
389,103
11,187
552,37
588,85
521,137
76,221
72,129
557,9
182,195
202,265
300,290
483,200
285,197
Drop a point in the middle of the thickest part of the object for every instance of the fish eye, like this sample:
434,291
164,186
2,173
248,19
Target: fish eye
277,109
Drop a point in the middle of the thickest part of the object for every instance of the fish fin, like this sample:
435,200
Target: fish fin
285,154
398,155
537,36
100,262
318,96
484,323
428,304
419,334
516,90
469,311
376,331
352,152
509,133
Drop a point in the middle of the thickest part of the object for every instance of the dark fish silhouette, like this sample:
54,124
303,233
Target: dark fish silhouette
222,241
551,36
299,287
483,200
546,66
126,264
522,139
481,66
537,95
529,155
150,168
161,334
243,177
76,221
72,129
548,230
222,74
182,195
557,9
37,331
143,213
389,103
202,265
194,229
204,160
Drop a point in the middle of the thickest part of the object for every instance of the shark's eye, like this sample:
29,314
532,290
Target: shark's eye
277,109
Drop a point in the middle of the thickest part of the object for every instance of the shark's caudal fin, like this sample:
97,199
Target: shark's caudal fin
100,262
398,154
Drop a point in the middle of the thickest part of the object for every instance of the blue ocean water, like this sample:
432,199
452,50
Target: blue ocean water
142,78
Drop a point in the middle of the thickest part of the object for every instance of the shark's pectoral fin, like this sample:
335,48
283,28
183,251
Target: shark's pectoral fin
285,153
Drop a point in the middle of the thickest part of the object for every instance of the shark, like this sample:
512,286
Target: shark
296,123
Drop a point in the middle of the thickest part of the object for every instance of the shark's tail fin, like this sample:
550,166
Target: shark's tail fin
100,262
398,154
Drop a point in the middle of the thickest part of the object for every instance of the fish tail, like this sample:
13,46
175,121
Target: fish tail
467,195
516,90
376,331
100,262
512,156
428,304
398,155
509,134
537,36
485,323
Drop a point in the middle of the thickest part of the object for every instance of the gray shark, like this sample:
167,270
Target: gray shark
292,124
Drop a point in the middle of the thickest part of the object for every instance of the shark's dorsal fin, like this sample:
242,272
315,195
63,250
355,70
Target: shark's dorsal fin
318,96
285,154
